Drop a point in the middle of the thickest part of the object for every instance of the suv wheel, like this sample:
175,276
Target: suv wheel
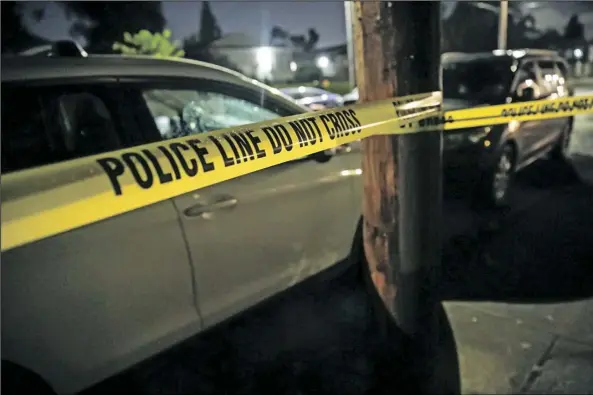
496,184
560,150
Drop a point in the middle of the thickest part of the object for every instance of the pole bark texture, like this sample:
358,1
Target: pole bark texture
397,53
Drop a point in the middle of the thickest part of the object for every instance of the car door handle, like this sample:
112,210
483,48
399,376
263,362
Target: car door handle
221,203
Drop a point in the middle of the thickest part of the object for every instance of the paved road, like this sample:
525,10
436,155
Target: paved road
516,282
526,320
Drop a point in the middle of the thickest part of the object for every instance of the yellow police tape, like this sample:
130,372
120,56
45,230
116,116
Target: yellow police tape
49,200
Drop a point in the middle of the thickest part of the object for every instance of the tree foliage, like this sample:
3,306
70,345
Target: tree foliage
199,46
103,23
473,27
195,49
147,43
279,36
209,29
574,29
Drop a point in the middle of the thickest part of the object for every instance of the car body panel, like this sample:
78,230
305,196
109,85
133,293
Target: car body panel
269,237
314,97
80,306
86,304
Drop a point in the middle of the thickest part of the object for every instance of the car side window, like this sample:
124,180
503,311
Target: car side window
44,125
184,112
527,72
563,88
527,78
562,70
549,76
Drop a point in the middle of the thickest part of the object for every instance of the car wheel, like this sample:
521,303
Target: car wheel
324,156
497,183
560,150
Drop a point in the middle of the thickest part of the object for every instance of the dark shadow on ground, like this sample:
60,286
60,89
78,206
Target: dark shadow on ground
318,340
538,250
321,338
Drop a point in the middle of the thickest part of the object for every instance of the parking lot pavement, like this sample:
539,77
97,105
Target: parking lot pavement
520,292
582,138
518,286
518,295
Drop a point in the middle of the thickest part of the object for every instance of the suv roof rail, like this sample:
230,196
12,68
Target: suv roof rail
60,48
541,52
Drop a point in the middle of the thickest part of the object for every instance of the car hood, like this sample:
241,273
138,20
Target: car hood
352,96
321,99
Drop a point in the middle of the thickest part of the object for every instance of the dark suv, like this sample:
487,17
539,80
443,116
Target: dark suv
494,153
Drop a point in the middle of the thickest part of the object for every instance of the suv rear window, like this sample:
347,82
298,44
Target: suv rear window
479,80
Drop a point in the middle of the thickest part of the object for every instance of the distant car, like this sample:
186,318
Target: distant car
494,153
314,98
351,98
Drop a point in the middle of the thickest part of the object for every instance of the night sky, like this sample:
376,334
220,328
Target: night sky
257,18
253,18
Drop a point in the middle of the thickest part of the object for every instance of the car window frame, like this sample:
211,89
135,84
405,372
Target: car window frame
50,89
554,69
508,82
522,65
133,86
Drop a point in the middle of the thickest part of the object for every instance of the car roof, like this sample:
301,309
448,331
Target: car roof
511,55
43,68
302,89
32,68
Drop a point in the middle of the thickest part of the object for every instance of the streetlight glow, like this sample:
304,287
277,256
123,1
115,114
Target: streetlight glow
265,59
322,62
578,53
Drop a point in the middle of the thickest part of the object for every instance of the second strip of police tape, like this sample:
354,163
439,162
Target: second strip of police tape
49,200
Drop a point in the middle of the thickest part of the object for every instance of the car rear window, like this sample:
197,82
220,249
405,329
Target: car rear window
41,126
484,79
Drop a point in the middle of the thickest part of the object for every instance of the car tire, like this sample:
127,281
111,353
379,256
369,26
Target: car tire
18,381
324,156
560,149
495,185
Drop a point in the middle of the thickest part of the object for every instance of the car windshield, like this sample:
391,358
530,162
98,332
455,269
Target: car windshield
479,80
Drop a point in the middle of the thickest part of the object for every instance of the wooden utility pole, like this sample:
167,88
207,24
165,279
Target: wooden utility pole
503,19
348,11
397,53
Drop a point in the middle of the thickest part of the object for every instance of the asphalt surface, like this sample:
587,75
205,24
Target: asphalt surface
517,285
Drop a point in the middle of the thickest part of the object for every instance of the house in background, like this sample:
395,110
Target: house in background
281,63
262,62
332,62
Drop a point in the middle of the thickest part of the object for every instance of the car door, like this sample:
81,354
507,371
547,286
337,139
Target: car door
83,305
528,135
553,89
258,234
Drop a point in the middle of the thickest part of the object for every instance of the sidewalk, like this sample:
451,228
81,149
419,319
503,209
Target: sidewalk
518,295
583,81
505,350
521,306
